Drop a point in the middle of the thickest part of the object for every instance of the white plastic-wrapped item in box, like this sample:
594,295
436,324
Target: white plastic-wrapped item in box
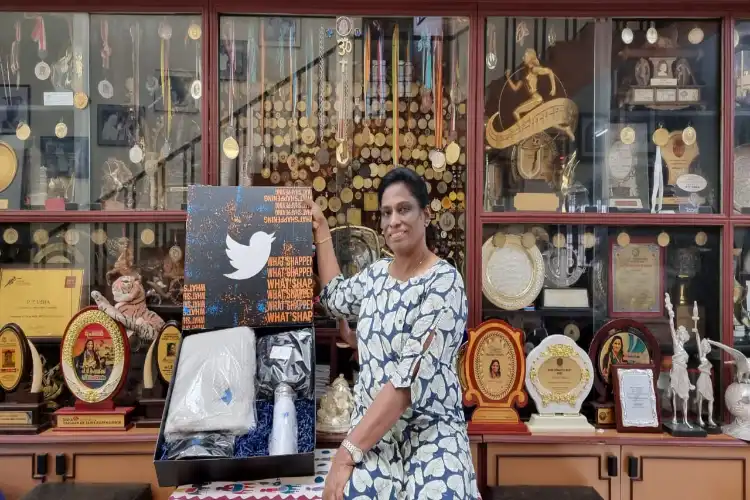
214,387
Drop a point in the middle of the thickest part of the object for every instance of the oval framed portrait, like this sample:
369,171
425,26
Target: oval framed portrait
14,354
95,356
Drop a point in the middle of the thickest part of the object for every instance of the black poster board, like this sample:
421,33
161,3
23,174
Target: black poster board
248,258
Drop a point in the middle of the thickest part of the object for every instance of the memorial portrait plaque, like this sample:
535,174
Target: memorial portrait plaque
158,369
95,359
494,369
249,257
636,401
618,342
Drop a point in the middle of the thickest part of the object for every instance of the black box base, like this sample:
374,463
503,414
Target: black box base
712,429
681,430
39,421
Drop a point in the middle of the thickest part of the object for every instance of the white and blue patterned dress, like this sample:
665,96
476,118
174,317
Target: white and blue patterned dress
426,455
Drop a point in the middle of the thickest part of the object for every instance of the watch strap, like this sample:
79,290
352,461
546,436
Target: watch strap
355,452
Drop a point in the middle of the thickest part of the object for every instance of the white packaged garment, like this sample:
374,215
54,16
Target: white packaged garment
214,388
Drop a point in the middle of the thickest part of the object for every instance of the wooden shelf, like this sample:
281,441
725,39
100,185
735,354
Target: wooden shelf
604,219
92,216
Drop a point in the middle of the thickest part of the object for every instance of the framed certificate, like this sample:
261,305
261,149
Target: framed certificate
636,402
636,285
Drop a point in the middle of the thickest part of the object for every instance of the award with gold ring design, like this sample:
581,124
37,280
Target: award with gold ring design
8,172
95,359
538,126
158,368
356,247
512,274
494,369
21,388
559,377
618,342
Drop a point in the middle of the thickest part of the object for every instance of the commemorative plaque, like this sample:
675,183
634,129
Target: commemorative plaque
157,374
95,358
559,376
636,403
21,394
636,278
494,369
618,342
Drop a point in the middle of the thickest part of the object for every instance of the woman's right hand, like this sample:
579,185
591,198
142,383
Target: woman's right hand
318,219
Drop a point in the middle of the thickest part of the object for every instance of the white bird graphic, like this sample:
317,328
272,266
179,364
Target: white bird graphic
251,259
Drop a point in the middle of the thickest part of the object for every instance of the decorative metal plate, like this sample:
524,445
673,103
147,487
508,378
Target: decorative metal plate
356,249
512,275
558,274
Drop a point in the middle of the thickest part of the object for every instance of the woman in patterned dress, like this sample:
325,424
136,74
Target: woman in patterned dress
408,436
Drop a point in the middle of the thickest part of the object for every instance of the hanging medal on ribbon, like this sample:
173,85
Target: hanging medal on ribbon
437,156
394,90
196,88
39,35
136,151
15,61
230,146
105,88
165,33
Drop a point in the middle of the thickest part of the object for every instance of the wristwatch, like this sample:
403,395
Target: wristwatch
355,452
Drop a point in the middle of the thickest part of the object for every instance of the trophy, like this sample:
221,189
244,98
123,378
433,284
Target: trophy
737,395
21,376
559,376
336,407
704,388
679,380
95,358
158,368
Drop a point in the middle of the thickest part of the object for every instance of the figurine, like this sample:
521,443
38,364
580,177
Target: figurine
643,72
737,395
336,408
704,386
684,73
130,308
679,384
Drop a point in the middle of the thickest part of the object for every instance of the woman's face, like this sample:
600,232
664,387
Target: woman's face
401,219
617,345
89,345
495,367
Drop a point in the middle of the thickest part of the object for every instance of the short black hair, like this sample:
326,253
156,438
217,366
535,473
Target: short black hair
413,182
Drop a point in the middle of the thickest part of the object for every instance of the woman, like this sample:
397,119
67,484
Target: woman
614,356
495,369
408,434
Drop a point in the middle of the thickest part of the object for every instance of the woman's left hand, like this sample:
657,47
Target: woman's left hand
338,476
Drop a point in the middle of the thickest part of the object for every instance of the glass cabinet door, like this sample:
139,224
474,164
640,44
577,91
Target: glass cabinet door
741,177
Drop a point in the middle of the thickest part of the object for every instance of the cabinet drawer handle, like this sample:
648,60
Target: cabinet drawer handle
632,467
612,466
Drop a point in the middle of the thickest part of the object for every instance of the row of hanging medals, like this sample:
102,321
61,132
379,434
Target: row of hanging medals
344,46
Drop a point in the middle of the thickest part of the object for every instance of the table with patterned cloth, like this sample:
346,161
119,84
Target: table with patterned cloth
283,488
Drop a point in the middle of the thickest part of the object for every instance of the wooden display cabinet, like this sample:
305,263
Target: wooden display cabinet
639,466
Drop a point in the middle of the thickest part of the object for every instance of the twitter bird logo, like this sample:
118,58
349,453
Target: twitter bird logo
251,259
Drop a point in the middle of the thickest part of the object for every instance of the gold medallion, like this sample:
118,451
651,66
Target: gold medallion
275,177
660,137
689,135
72,237
231,148
148,237
23,131
61,130
382,170
347,195
452,152
8,165
358,182
380,139
589,240
498,240
701,238
558,240
99,237
627,135
319,184
663,239
623,239
528,240
10,236
80,100
334,204
375,182
41,237
368,182
265,172
195,31
322,202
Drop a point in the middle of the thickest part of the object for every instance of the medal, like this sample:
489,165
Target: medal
652,36
10,236
663,239
452,152
135,154
42,71
231,148
175,253
196,89
80,100
61,130
99,237
689,135
40,237
72,237
148,237
660,136
195,31
23,131
695,36
627,36
105,89
165,31
627,135
437,158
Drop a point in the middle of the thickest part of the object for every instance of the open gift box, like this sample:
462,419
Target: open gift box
251,459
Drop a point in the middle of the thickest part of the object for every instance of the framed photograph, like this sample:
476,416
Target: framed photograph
115,125
240,61
636,278
14,107
182,101
281,32
65,157
636,401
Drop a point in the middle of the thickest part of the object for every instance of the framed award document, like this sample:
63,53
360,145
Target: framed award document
494,370
636,285
636,401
